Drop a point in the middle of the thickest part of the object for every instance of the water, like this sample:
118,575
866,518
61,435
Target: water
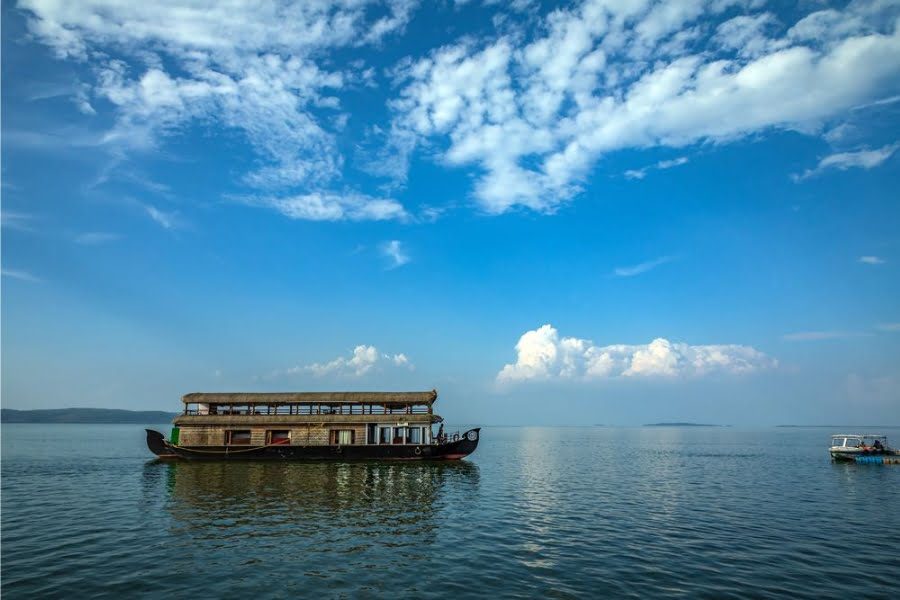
558,512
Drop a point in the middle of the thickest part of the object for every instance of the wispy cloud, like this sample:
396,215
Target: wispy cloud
661,165
17,221
328,206
167,220
892,327
270,78
394,251
871,260
95,238
21,275
642,267
813,336
862,159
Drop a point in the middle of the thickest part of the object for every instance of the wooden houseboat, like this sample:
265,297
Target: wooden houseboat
311,425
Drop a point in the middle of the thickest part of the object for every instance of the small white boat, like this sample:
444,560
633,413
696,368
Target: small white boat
863,448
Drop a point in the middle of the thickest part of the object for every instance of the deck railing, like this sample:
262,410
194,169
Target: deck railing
307,409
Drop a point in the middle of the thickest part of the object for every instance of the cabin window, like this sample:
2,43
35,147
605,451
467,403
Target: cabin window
237,437
384,435
278,437
342,437
372,433
415,435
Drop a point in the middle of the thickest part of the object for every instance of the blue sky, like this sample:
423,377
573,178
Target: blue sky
599,212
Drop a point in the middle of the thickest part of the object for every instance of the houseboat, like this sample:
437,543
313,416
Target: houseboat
862,448
311,426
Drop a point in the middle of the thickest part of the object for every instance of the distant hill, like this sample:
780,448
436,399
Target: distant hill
683,425
84,415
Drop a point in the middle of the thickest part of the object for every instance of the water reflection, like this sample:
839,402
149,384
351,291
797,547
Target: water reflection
296,498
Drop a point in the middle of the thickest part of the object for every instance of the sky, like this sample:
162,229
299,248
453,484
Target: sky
602,212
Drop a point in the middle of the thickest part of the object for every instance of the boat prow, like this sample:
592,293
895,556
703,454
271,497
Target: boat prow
157,444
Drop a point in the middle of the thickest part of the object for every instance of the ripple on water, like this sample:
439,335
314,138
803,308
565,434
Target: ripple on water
563,513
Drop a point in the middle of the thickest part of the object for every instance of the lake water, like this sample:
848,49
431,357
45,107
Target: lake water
558,512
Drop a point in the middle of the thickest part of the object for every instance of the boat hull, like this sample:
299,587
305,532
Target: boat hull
453,450
870,456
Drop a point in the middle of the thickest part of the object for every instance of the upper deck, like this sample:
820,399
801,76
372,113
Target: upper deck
306,407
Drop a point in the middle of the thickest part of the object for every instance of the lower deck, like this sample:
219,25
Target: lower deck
302,434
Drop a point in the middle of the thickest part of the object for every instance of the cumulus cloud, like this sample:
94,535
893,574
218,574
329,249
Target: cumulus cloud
541,354
533,112
861,159
871,260
249,67
364,360
393,250
642,267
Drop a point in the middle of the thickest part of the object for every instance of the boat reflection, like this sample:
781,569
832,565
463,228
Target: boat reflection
386,501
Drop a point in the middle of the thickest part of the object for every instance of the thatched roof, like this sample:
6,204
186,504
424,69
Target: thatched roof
404,398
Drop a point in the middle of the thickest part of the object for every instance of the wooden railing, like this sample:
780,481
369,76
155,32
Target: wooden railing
308,409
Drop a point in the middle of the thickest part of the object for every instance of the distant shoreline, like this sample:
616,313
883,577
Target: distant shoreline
683,424
110,416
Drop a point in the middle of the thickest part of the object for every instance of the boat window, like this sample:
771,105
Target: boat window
415,435
384,436
237,437
342,437
372,433
278,436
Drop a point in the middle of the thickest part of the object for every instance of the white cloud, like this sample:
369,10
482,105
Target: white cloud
862,159
21,275
661,165
815,336
747,36
394,251
249,67
542,355
17,221
889,327
534,114
871,260
642,267
364,360
401,360
94,238
326,206
167,220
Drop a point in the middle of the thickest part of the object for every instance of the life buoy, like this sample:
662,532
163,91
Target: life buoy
418,451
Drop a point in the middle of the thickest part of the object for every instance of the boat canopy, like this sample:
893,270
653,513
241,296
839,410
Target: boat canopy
275,398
